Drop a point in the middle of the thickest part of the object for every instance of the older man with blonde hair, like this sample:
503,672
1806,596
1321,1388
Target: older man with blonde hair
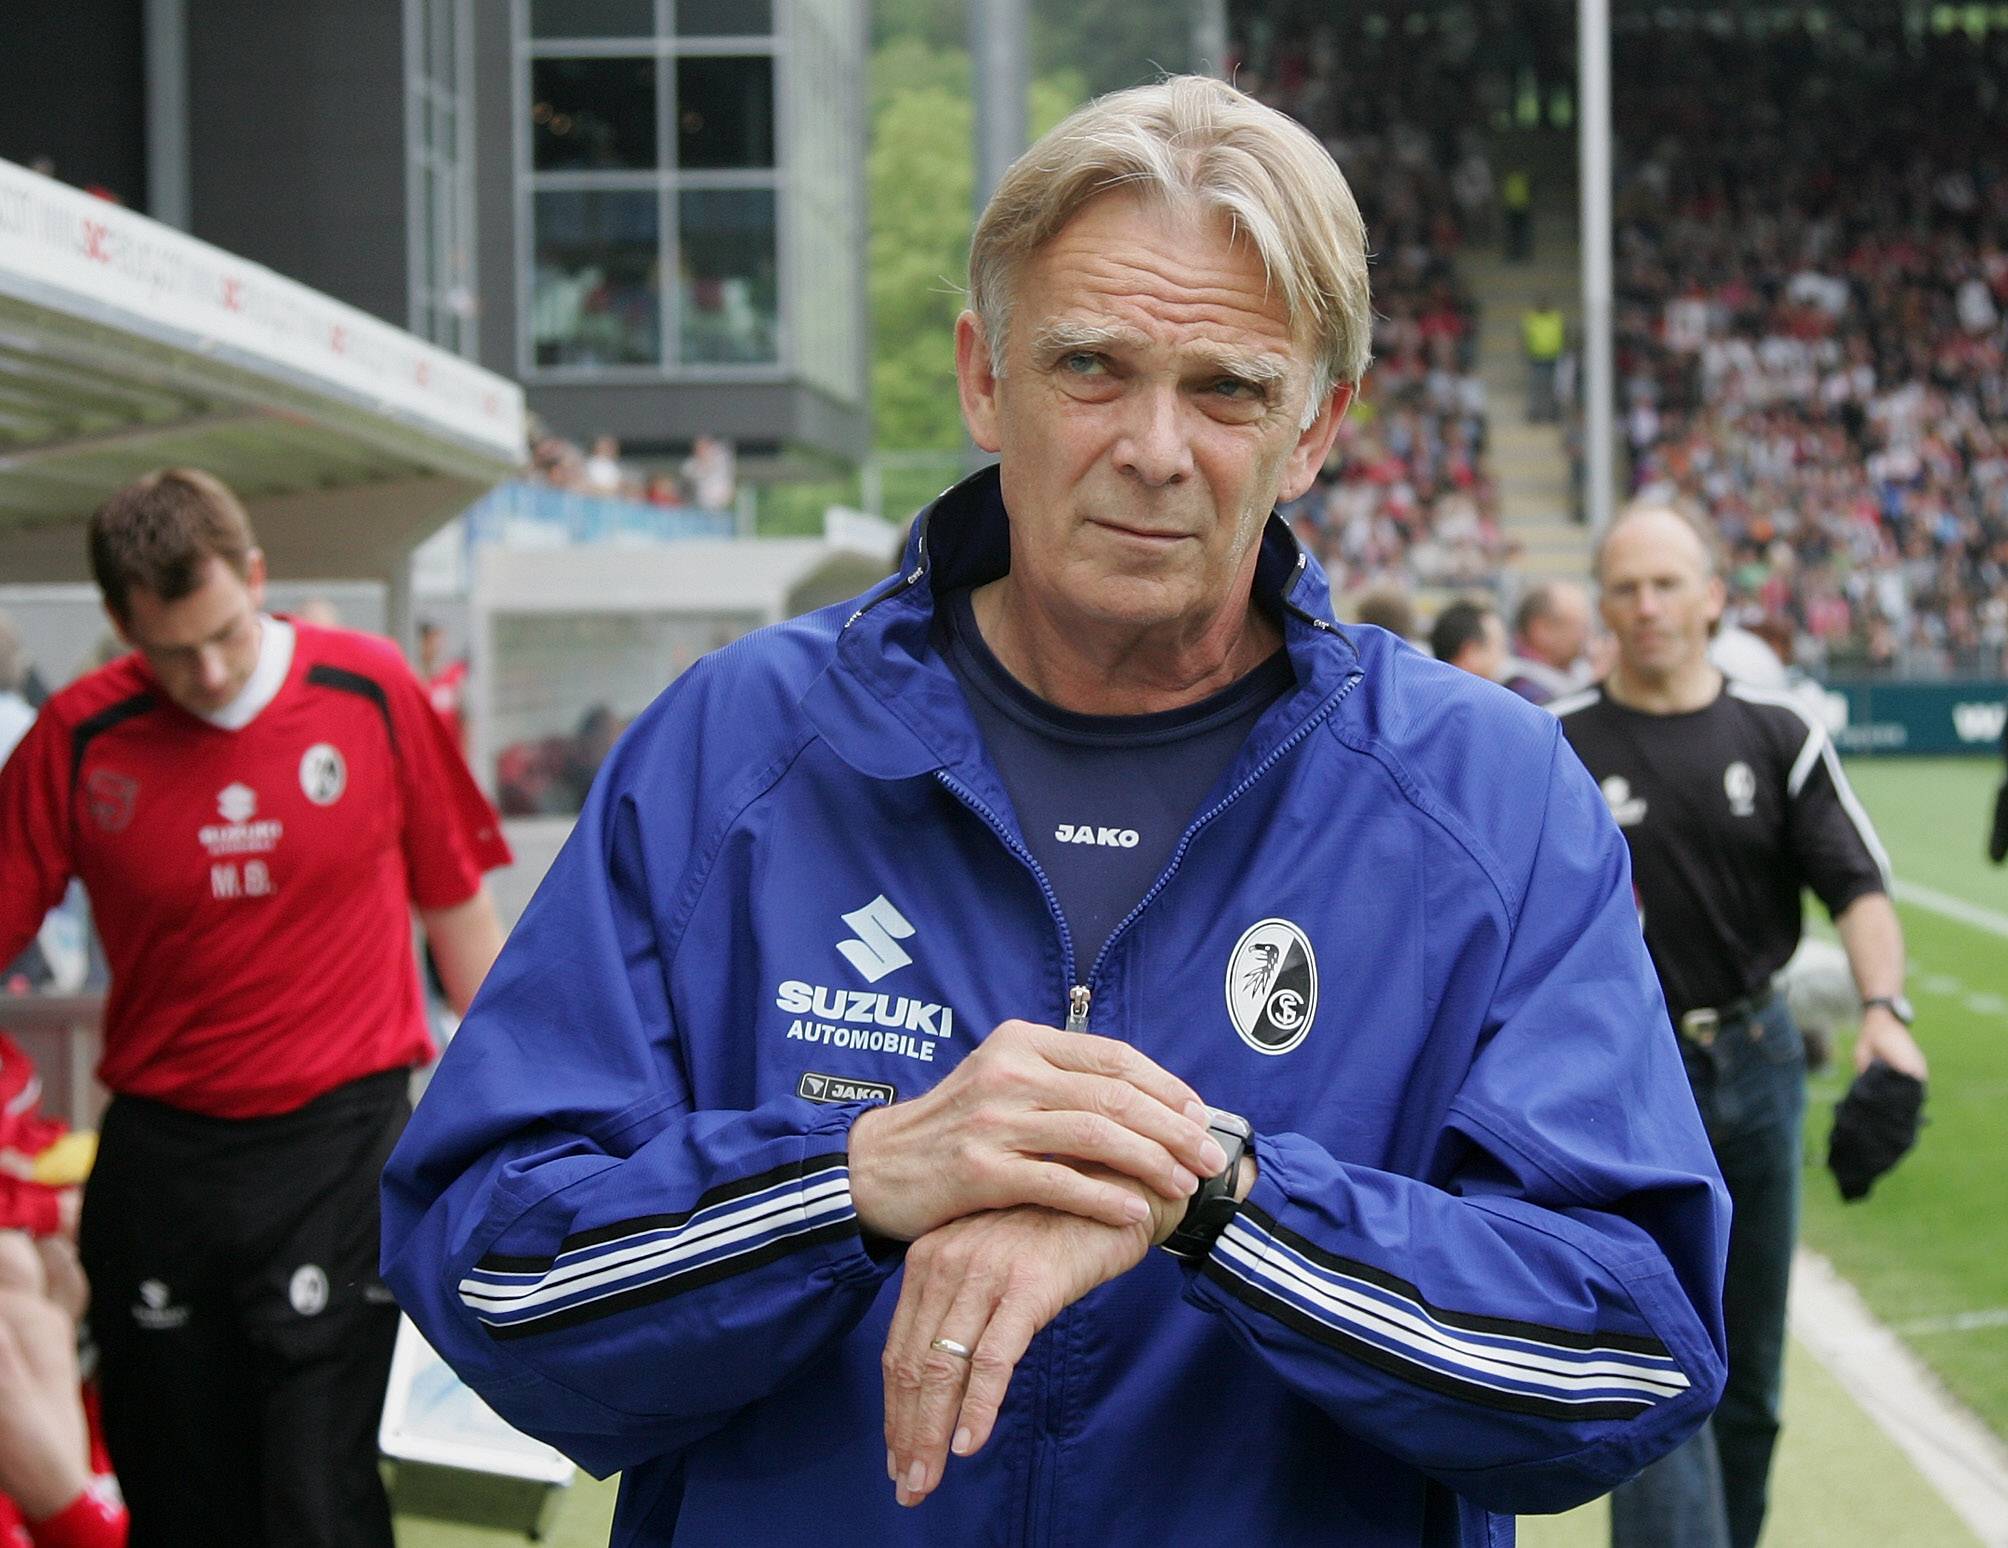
1075,1045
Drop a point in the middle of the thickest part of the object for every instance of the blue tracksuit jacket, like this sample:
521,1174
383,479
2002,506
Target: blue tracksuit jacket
1479,1273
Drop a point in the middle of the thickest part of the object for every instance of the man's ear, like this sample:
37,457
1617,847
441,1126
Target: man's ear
119,628
976,381
254,576
1314,444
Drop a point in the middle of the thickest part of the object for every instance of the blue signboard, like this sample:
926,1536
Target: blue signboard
1898,717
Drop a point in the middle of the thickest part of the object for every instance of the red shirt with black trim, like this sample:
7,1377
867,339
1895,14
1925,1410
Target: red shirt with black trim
252,887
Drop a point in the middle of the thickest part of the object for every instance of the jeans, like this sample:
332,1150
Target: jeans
1711,1492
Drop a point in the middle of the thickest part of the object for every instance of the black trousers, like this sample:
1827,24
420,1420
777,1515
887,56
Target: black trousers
244,1338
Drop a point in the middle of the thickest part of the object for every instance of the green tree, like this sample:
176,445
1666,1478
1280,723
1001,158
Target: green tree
921,192
1111,43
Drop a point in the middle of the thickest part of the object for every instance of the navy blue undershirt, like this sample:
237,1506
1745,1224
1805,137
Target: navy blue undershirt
1102,799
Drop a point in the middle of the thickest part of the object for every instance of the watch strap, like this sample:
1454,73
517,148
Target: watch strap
1897,1005
1213,1203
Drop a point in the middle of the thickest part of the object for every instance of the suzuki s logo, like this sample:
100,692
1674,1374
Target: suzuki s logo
236,803
1272,986
876,951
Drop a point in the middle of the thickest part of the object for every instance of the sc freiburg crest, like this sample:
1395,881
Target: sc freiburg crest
1272,986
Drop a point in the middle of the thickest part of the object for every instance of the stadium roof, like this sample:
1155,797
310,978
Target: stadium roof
126,345
767,578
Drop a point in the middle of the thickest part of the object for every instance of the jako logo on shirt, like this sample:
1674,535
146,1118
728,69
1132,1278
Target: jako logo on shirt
1272,986
1107,838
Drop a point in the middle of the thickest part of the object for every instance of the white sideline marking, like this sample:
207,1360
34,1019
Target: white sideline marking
1958,1455
1993,922
1958,1322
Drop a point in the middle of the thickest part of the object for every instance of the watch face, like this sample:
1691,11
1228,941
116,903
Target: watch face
1897,1004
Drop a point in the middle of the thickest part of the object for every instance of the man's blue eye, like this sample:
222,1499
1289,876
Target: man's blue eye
1080,363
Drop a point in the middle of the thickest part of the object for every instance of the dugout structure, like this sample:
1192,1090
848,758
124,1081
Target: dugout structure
126,345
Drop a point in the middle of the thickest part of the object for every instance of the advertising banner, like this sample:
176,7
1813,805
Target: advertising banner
1916,718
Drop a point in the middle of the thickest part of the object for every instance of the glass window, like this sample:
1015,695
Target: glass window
567,684
443,61
428,246
592,114
724,18
592,18
725,112
595,288
727,279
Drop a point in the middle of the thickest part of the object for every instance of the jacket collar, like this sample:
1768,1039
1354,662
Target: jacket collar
892,708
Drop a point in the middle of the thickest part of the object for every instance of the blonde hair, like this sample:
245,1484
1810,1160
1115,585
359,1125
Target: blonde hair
1194,143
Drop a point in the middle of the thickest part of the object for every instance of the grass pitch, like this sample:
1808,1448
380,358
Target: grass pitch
1929,1248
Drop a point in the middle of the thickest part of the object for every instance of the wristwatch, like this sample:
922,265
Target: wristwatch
1896,1004
1213,1202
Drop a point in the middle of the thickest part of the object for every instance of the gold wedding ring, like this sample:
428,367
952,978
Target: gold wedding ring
948,1346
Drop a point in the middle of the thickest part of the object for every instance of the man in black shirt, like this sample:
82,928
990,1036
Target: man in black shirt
1733,802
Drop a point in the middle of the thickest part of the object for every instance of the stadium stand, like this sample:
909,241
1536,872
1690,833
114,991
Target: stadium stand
1406,499
1812,272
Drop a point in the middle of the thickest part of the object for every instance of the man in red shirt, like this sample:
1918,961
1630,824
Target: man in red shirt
255,806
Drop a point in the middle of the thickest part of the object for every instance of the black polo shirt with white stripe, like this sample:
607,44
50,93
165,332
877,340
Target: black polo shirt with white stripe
1731,812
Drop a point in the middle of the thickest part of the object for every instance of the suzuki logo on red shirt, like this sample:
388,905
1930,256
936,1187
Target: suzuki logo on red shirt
237,803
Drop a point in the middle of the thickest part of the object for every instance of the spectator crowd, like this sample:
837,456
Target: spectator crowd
1406,496
1812,327
707,479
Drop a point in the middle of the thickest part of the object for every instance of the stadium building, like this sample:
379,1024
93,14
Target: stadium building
650,212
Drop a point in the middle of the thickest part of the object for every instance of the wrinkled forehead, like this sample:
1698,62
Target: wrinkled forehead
1135,272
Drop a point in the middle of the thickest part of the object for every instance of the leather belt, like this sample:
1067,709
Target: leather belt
1701,1025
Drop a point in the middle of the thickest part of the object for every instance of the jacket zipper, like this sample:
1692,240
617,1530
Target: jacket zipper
909,580
1077,1021
1080,996
1311,723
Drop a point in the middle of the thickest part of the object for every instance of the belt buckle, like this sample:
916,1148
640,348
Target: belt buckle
1700,1026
